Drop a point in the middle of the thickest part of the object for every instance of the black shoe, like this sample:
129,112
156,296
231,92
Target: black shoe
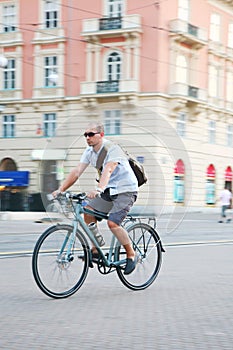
228,220
130,265
220,221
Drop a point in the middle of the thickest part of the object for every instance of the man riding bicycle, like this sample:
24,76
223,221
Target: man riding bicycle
116,191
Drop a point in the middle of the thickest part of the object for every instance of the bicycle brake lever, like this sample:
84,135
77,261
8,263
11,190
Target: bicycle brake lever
50,197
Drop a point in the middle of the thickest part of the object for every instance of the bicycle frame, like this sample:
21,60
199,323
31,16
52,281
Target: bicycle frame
78,220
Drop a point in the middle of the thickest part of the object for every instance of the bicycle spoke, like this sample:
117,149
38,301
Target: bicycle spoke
146,244
56,268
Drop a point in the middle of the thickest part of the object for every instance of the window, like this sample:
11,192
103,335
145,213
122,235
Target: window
8,126
49,124
181,69
230,135
215,27
229,87
51,14
181,124
213,81
112,122
9,75
9,18
115,8
114,66
212,131
183,10
230,36
50,68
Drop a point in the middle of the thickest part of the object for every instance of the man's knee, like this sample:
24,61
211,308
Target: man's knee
112,224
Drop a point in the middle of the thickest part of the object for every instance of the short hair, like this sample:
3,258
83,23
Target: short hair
96,125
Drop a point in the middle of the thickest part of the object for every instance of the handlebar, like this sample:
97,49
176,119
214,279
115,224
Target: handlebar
68,195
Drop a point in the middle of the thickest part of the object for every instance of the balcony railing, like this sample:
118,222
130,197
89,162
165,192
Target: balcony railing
193,91
109,87
190,92
188,33
103,87
110,23
193,30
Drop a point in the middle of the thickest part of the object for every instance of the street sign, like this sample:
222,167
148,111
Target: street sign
14,178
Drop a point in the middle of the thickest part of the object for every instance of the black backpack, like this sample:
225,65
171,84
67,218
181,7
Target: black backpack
135,165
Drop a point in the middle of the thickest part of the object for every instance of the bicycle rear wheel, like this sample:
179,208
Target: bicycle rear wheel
147,245
57,273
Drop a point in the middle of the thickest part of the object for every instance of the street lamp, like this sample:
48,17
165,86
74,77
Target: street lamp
3,61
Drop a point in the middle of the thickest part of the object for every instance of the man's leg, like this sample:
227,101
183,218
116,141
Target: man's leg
88,219
122,236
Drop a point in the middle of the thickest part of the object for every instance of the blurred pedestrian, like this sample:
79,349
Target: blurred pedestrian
226,201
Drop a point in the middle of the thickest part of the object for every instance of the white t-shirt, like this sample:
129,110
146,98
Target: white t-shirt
123,178
225,197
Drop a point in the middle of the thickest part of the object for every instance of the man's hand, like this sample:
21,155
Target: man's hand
56,193
93,194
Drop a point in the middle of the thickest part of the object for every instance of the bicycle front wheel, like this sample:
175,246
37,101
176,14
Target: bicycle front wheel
56,266
148,247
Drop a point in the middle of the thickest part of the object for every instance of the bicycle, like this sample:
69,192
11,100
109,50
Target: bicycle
62,255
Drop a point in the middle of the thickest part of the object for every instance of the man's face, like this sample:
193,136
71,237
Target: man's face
93,137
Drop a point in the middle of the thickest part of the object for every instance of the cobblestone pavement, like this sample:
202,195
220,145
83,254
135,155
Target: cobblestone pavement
188,307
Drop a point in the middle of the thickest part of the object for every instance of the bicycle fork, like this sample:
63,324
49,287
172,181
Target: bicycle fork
70,239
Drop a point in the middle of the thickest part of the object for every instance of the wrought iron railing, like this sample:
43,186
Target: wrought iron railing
110,23
107,86
193,91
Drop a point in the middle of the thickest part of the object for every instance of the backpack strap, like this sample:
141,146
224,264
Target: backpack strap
101,157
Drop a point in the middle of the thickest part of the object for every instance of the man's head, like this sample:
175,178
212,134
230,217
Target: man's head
94,133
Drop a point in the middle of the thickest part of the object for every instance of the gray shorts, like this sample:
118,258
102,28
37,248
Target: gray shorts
117,206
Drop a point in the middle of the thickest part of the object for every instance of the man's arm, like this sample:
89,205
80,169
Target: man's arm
107,172
72,177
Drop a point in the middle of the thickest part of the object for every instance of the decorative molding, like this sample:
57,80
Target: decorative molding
89,103
176,105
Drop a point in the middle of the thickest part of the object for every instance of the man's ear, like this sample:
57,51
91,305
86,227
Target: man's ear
102,133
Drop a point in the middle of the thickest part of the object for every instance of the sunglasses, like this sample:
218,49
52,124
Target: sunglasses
90,134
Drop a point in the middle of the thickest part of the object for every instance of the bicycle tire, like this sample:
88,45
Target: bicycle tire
147,245
57,276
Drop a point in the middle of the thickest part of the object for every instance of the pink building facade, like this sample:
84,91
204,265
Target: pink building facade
158,75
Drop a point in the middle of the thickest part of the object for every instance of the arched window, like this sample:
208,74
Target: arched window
179,190
8,164
215,26
228,178
181,69
114,66
210,184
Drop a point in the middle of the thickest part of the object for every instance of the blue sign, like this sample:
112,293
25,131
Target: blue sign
14,178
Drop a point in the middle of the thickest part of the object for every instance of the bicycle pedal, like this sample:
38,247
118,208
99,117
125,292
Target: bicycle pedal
90,261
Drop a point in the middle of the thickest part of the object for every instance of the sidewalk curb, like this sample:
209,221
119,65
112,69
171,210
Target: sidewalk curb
136,210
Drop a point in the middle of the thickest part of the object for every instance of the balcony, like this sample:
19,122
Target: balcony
187,33
190,92
11,38
49,35
110,26
11,94
109,87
